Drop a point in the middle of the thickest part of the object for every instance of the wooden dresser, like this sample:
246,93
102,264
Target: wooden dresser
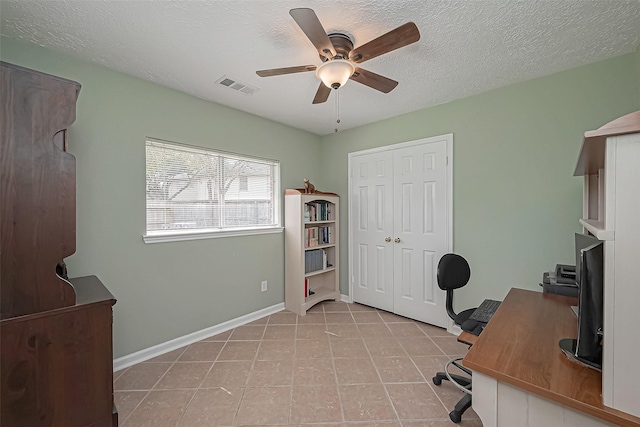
56,363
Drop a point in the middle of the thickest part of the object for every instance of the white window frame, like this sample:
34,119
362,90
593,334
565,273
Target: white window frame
161,236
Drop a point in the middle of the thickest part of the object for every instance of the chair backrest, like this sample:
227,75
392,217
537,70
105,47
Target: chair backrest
453,273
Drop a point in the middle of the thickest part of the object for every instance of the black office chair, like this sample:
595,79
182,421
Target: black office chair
453,273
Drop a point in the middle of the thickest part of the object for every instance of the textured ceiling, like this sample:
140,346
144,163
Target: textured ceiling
467,47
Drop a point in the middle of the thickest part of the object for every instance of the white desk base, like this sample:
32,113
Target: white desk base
501,405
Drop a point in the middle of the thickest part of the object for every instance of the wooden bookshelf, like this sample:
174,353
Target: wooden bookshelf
311,249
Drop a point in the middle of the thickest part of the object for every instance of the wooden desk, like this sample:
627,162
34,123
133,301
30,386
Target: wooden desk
467,338
517,361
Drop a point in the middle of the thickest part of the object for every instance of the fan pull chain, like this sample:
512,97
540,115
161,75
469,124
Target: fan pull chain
337,110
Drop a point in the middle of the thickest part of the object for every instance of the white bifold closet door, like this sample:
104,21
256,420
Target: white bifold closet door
400,226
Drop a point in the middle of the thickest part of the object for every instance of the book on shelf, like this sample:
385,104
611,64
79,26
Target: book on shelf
315,260
322,235
311,237
307,290
317,211
314,236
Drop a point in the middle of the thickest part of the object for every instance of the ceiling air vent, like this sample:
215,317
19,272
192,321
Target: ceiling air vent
237,85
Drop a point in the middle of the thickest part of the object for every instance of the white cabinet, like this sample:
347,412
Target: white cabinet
610,163
311,249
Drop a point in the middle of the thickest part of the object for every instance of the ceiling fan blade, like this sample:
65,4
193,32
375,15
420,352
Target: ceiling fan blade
309,23
287,70
373,80
322,94
394,39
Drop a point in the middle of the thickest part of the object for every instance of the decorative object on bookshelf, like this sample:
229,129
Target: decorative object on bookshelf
309,187
311,249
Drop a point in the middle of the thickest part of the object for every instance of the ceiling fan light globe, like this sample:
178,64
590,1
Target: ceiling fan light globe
335,73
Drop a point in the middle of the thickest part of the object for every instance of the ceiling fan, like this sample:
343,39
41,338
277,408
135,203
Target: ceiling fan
339,58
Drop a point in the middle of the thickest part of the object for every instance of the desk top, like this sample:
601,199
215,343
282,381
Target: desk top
467,338
519,346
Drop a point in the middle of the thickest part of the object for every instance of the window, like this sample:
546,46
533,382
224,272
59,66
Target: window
197,193
244,183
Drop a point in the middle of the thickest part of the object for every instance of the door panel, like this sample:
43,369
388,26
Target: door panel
429,285
429,207
406,256
371,204
421,204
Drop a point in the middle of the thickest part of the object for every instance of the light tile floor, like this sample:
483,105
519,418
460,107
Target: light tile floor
341,365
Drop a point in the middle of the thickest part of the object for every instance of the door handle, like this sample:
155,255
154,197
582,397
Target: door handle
388,239
397,240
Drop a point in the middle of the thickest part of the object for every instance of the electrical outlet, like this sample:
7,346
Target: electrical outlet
263,286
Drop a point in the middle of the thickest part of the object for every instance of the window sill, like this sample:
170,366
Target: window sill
198,235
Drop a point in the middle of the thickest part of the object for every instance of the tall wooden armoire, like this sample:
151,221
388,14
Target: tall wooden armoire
56,363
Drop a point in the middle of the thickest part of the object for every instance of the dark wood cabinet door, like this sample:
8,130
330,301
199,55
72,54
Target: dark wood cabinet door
38,190
57,368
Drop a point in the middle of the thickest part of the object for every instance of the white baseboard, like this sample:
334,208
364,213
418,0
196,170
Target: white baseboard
165,347
453,328
346,298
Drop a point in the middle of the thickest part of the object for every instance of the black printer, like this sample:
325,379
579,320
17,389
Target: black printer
562,281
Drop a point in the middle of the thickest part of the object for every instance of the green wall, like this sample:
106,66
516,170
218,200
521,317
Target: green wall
516,202
164,290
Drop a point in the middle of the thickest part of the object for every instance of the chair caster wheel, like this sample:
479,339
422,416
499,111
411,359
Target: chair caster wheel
437,381
455,417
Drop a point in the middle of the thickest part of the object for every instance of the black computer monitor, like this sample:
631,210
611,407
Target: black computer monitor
582,241
587,348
